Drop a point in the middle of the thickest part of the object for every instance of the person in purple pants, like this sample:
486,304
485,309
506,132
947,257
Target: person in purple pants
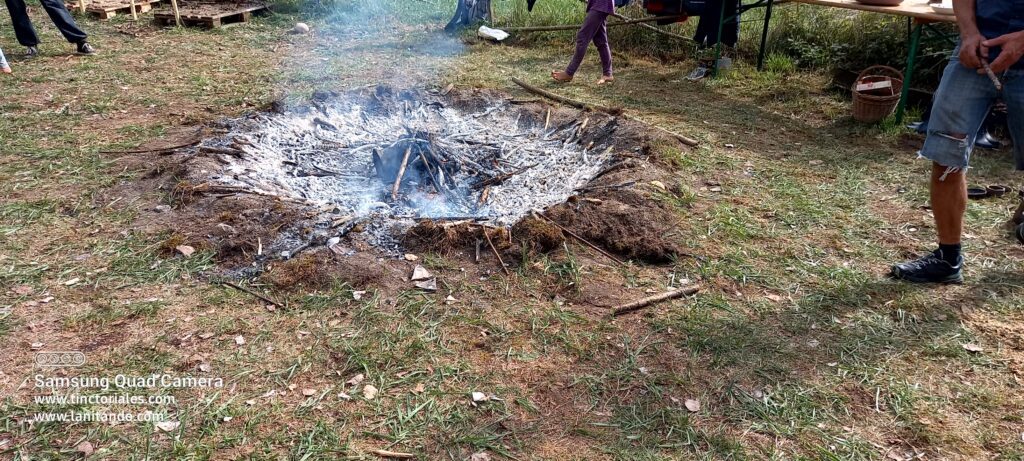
595,30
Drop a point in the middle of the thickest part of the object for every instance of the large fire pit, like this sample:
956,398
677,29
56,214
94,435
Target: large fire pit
386,159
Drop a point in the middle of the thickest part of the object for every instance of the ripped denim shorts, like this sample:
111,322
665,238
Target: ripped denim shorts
962,101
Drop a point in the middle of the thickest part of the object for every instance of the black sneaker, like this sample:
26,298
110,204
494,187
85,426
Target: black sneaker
930,269
86,49
31,52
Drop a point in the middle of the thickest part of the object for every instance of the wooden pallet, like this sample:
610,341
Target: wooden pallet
210,15
106,9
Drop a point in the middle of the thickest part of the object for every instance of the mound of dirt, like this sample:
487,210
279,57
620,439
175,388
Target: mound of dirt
623,222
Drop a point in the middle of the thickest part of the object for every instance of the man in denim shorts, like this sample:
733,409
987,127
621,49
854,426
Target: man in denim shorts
992,35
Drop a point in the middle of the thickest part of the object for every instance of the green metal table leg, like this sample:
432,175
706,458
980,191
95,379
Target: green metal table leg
764,35
718,44
908,73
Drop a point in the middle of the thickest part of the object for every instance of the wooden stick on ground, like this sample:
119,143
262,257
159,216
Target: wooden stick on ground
611,111
580,239
135,14
495,250
393,454
565,100
642,303
156,149
81,6
683,139
251,292
625,22
401,172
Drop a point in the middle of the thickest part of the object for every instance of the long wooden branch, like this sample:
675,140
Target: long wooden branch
625,22
642,303
567,101
617,111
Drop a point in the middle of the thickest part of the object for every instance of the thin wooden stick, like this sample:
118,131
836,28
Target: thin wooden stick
81,6
251,292
642,303
651,28
495,250
393,454
401,172
135,14
612,111
625,22
683,139
157,149
565,100
547,120
581,239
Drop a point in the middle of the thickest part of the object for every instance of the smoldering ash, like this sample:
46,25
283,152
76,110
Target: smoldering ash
388,158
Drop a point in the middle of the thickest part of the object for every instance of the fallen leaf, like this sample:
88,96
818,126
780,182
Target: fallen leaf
773,297
240,340
482,456
659,185
816,162
85,448
971,347
411,257
344,396
355,380
227,418
250,402
427,285
692,404
420,273
479,397
36,346
204,367
357,295
308,392
185,250
72,281
419,389
167,426
369,392
449,300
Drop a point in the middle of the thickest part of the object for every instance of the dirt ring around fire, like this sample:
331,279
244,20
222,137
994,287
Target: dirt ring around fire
314,180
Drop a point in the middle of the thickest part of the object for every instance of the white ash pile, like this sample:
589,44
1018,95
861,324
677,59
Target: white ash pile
386,159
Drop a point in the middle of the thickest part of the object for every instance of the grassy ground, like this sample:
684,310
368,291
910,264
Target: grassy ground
799,347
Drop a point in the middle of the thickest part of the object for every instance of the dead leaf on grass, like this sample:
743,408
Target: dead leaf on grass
240,340
185,250
309,392
481,456
692,404
370,392
85,448
971,347
356,380
167,426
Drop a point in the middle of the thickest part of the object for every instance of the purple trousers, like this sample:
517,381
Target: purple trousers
594,30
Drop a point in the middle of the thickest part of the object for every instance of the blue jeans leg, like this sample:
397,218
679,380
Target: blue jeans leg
959,108
1013,96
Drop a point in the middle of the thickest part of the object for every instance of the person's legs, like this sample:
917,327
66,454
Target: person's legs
603,48
23,29
61,17
1013,96
960,105
594,22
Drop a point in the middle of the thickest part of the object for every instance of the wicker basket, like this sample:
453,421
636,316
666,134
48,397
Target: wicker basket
873,106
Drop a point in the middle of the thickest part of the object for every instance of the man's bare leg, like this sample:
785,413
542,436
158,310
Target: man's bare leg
949,202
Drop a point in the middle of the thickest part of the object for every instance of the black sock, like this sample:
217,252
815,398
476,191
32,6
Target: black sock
950,253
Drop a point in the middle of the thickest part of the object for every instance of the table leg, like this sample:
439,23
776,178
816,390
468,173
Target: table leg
718,44
908,73
764,35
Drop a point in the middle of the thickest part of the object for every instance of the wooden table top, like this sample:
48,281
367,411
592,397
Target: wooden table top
917,9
